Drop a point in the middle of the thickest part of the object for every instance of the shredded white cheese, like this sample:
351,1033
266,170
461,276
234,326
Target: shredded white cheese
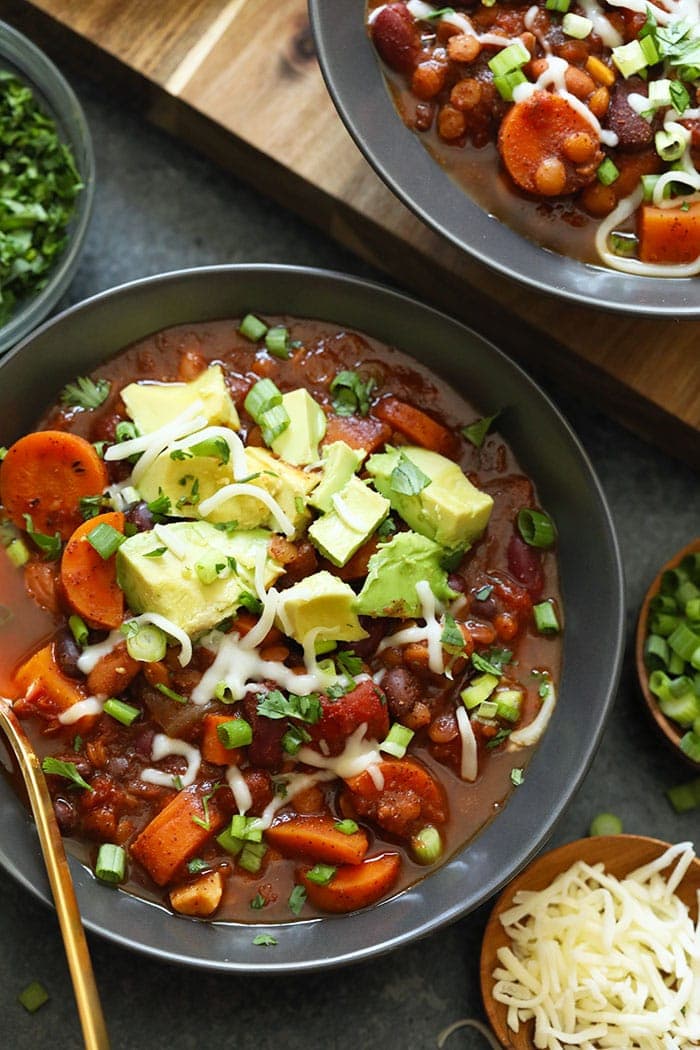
92,705
245,489
469,765
599,961
165,745
239,789
92,654
530,734
357,756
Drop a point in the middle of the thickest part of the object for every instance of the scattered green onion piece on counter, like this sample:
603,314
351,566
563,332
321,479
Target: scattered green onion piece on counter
685,797
105,539
264,940
236,733
121,711
607,173
347,826
251,856
33,997
397,740
85,393
546,620
261,397
605,824
321,874
148,643
252,328
69,770
111,863
690,745
170,693
277,342
517,775
297,899
426,845
18,552
79,630
476,432
536,528
576,26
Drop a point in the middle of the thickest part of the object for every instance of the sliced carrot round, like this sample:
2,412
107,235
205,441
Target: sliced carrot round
354,886
317,837
548,146
408,798
45,475
89,581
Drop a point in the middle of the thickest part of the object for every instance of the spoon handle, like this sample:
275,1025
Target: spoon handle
86,995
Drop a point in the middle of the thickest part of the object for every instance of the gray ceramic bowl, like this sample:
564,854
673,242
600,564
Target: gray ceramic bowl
353,74
56,97
77,340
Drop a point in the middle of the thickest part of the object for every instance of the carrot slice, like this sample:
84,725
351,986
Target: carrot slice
317,837
669,235
46,474
357,432
212,749
172,837
547,146
354,886
408,799
41,681
90,581
417,426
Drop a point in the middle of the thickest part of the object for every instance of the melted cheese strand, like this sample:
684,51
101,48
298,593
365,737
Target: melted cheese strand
92,705
239,789
294,783
239,463
165,745
92,654
244,489
358,755
530,734
469,765
626,207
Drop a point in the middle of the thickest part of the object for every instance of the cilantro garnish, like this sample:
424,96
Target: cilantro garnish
85,393
297,899
492,661
349,662
276,705
250,602
197,865
91,506
406,478
160,505
69,770
50,546
351,394
476,432
258,902
451,637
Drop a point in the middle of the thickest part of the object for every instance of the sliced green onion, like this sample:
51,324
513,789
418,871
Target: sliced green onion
261,397
121,711
488,709
623,244
397,740
659,93
33,996
506,83
479,689
227,841
671,141
236,733
78,628
690,745
512,57
692,610
576,26
685,797
148,644
347,827
321,874
111,863
297,899
252,328
170,693
607,172
18,552
684,641
605,824
656,652
508,704
536,527
273,423
248,829
251,856
105,539
649,50
558,5
630,58
277,342
545,615
426,845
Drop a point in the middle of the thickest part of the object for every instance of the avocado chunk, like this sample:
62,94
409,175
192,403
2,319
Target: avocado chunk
339,463
449,510
320,602
394,571
189,482
357,511
172,582
152,405
298,443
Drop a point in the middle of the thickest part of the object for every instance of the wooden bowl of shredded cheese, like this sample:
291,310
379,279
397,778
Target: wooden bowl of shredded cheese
597,944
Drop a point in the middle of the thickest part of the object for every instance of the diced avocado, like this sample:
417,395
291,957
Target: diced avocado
340,462
170,581
450,510
320,601
356,512
298,443
152,405
287,484
394,571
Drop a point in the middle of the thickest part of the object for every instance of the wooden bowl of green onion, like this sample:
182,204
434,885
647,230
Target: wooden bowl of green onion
667,652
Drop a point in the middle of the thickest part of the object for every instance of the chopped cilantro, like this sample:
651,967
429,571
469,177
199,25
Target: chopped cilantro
258,902
346,827
498,739
451,637
91,506
293,739
349,662
476,432
492,661
197,865
160,505
157,552
85,392
484,592
69,770
50,546
351,394
321,874
275,705
406,478
387,528
297,899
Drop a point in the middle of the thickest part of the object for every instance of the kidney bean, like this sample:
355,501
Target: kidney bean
143,744
403,691
266,747
376,629
67,651
66,815
140,516
396,37
525,562
259,784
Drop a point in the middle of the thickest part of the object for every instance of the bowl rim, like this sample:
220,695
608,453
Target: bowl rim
352,73
33,310
668,729
412,913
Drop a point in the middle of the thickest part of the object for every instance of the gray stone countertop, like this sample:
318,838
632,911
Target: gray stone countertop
161,207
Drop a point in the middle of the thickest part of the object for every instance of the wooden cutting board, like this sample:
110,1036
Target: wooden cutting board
238,79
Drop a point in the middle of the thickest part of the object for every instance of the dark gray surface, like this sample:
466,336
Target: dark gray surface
158,207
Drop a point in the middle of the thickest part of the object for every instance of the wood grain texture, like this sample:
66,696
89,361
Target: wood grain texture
238,80
621,854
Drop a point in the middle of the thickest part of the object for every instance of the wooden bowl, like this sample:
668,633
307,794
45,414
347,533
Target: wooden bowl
621,855
670,731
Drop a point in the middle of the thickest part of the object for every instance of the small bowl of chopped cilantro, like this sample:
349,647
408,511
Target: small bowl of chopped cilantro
46,185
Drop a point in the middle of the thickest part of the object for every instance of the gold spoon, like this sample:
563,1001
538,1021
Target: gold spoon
86,995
